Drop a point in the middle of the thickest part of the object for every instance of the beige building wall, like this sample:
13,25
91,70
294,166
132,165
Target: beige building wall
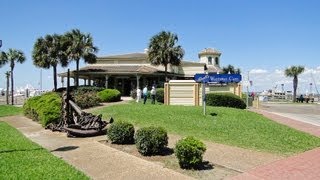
189,92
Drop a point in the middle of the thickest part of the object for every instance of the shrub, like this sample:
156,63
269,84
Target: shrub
151,140
85,99
225,100
121,133
109,95
189,152
90,88
160,95
45,108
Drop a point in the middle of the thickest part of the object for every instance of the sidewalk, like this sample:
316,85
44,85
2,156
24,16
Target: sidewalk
302,166
88,155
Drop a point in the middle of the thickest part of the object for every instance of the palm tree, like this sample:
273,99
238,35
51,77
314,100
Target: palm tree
230,69
162,50
80,45
49,52
12,56
294,71
8,85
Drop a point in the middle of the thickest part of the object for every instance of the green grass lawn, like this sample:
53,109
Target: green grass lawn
229,126
8,110
20,158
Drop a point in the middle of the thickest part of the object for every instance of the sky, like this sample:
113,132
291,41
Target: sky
262,38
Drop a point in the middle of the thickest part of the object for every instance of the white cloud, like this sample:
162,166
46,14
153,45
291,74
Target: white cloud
258,71
271,79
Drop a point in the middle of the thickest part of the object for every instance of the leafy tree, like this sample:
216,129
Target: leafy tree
294,71
8,86
230,69
12,56
80,45
49,52
163,50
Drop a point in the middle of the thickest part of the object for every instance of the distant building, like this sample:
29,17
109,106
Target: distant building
127,71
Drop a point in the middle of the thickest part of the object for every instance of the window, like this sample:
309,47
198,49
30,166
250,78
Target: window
216,61
209,60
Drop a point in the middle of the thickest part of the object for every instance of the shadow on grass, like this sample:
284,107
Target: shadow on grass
19,150
204,166
66,148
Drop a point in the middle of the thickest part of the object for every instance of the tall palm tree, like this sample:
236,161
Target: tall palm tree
231,69
49,52
294,71
162,50
12,56
8,86
80,45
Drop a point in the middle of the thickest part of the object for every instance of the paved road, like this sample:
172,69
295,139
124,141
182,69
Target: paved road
307,113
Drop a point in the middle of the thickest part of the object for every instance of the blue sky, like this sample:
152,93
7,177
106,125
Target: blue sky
263,37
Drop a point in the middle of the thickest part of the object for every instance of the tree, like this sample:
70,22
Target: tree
12,56
8,86
230,69
294,71
49,52
80,45
162,50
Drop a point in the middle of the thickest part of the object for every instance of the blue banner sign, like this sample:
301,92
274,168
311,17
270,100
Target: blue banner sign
217,78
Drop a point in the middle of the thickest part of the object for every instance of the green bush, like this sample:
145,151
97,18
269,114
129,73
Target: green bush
225,100
151,140
109,95
90,88
160,95
85,99
121,133
44,109
189,152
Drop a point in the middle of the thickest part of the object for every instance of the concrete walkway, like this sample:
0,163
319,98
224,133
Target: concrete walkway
93,158
302,166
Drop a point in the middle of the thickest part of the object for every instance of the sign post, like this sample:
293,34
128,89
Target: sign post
204,98
214,79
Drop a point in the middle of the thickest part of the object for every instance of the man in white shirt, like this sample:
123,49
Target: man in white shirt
153,95
138,95
145,94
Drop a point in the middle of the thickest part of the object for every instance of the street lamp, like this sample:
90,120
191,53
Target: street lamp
310,89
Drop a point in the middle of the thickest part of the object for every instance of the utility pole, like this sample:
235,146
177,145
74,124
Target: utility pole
248,91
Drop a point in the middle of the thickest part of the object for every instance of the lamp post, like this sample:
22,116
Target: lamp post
310,89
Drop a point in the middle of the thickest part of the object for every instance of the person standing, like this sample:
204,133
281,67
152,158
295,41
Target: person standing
138,95
145,94
153,95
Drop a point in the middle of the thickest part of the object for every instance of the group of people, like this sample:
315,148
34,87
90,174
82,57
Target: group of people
144,94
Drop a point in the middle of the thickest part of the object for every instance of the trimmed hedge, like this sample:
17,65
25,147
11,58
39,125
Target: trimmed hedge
109,95
121,133
151,140
44,109
225,100
160,95
189,152
85,99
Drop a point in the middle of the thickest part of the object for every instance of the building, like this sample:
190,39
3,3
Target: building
126,72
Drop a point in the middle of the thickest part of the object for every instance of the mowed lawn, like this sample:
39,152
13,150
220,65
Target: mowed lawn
222,125
20,158
8,110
